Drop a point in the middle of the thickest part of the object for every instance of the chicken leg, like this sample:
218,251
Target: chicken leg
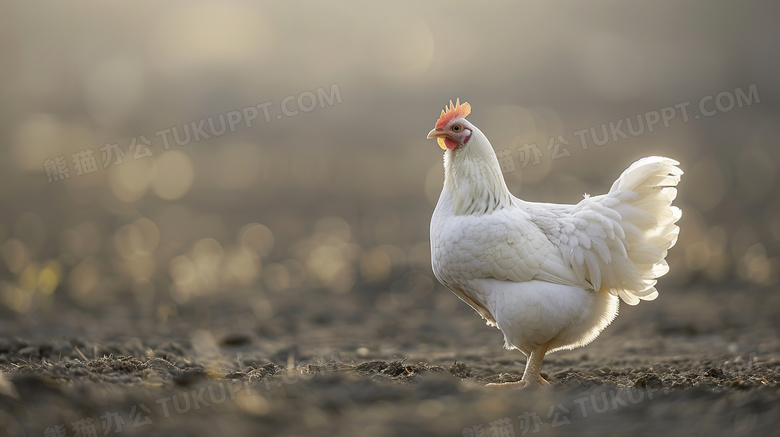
531,375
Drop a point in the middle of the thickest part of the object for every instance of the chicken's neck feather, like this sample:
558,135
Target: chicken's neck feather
474,179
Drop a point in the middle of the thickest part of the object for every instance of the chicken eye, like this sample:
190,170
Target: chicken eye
456,128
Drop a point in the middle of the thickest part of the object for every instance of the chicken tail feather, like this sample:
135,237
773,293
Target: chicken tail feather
647,189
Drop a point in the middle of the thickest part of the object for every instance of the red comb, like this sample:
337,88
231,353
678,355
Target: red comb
451,112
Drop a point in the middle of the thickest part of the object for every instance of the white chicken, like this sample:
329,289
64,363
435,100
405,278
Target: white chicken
548,276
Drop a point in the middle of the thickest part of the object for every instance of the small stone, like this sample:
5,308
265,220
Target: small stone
235,339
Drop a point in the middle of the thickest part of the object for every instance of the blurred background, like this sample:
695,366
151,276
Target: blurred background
333,202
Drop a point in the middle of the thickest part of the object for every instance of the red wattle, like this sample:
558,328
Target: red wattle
450,143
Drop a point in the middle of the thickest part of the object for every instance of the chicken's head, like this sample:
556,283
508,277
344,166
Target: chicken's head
452,131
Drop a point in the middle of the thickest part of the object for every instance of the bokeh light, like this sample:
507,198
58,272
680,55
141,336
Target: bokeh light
337,200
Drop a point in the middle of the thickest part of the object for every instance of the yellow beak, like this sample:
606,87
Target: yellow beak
439,138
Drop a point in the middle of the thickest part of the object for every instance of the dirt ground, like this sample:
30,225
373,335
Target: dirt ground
168,269
383,364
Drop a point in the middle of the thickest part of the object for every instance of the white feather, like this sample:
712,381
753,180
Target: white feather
497,252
